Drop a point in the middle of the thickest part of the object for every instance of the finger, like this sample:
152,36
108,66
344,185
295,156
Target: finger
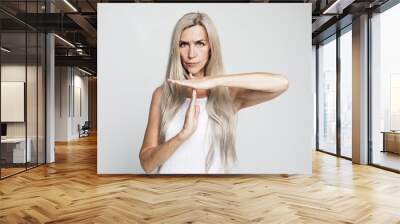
173,81
196,115
190,75
194,96
197,111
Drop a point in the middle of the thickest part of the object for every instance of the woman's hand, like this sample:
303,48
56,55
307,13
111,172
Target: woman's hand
191,118
200,83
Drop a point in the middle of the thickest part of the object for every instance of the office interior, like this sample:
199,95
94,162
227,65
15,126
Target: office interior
49,97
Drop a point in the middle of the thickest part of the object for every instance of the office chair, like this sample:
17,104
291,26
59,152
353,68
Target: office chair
84,130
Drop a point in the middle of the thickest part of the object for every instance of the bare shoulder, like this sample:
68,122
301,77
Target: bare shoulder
157,93
155,101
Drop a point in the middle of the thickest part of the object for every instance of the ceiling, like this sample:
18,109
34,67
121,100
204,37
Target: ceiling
76,22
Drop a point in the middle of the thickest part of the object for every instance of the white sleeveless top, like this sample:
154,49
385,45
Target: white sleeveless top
190,157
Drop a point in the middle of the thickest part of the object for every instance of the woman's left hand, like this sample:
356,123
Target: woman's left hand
196,83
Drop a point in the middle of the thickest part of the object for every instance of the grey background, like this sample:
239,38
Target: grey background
133,47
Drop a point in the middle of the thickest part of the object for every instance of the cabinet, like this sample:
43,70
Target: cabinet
391,141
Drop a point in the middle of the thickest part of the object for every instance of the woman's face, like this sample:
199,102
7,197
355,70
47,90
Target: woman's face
194,49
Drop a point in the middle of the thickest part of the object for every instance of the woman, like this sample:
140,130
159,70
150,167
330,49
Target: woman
191,125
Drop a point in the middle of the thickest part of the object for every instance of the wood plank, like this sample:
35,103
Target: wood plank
70,191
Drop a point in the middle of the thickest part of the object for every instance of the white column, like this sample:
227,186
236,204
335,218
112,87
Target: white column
360,90
50,93
50,110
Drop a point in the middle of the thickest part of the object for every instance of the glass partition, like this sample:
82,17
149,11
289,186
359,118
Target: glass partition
327,96
346,94
385,89
32,95
13,104
22,77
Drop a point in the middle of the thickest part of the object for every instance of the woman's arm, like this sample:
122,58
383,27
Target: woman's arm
246,89
153,154
249,89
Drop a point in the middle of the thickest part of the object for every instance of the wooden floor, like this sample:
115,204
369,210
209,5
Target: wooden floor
5,172
387,159
70,191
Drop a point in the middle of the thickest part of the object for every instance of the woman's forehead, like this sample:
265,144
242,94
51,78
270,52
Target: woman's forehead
194,33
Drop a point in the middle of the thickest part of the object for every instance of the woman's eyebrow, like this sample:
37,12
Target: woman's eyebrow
196,41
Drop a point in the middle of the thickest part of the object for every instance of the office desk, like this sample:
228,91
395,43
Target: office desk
13,150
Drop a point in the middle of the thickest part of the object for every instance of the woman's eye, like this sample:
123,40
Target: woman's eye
201,44
182,44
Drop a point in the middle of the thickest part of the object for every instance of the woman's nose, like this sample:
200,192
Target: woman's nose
192,52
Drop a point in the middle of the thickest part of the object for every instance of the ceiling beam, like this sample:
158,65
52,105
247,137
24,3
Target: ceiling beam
85,61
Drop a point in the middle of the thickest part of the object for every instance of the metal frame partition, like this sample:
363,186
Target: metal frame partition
30,30
382,8
334,37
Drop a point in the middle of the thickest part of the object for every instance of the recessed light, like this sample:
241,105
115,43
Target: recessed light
84,71
64,40
70,5
334,7
5,50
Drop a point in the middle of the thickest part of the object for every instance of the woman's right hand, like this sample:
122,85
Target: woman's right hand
191,118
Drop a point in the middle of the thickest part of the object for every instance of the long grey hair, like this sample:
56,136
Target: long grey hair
220,108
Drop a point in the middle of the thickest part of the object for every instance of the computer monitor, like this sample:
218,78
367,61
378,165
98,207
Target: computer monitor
3,129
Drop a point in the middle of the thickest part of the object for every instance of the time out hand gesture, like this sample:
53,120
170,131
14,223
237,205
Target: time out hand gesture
191,118
200,83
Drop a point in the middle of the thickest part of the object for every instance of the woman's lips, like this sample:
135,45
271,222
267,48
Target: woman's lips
191,64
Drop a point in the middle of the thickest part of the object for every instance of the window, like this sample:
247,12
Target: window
385,88
346,75
327,97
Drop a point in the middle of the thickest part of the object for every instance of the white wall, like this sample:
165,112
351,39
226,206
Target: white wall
80,83
274,137
67,80
61,103
17,73
12,101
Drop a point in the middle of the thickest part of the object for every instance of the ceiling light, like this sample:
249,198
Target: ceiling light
329,9
84,71
64,40
5,49
70,5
